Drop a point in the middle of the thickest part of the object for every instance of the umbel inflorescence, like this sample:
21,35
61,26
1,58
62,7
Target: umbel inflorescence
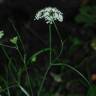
49,14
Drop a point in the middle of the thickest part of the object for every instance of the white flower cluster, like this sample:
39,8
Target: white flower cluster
49,14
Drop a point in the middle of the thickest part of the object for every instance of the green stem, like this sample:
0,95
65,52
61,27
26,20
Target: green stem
44,78
6,84
5,53
50,45
7,46
50,61
9,60
58,33
23,58
72,68
17,34
28,78
62,42
9,87
20,54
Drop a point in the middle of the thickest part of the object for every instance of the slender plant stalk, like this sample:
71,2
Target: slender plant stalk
9,87
20,54
7,46
50,45
72,68
5,53
9,60
28,78
82,62
7,77
62,42
6,84
23,57
8,92
17,34
50,61
58,33
44,78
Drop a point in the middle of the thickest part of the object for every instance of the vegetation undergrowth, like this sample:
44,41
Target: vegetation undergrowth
18,80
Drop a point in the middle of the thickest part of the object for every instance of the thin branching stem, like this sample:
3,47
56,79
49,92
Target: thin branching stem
61,40
17,34
7,46
22,57
44,78
50,45
50,61
74,69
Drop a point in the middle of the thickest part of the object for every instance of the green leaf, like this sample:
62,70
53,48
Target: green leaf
87,15
93,43
56,77
92,91
1,34
14,40
33,59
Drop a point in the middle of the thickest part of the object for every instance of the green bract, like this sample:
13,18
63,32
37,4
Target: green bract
14,40
1,34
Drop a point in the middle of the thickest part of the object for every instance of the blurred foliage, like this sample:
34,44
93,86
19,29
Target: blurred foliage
93,43
87,15
16,72
92,91
56,77
76,41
